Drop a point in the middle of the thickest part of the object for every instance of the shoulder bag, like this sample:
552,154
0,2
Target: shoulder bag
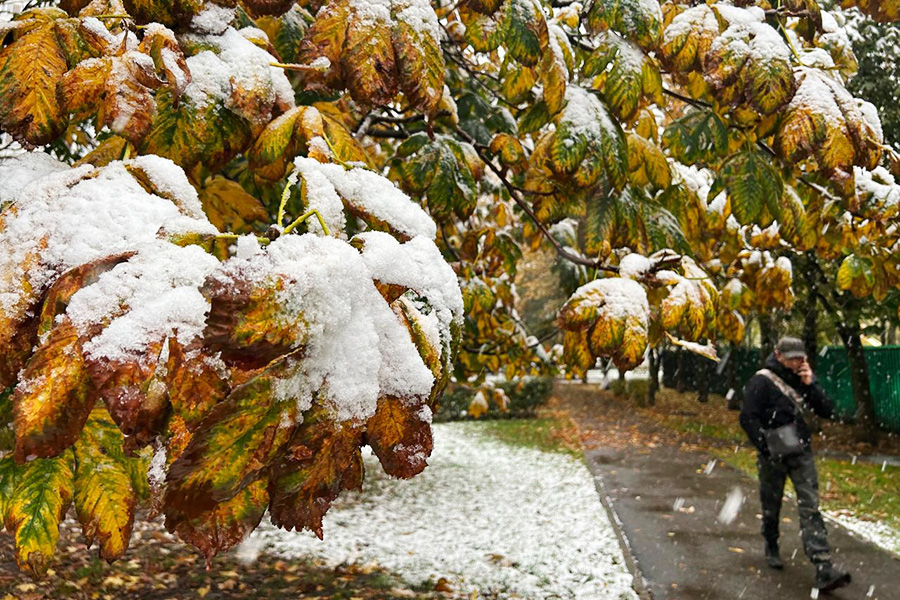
783,441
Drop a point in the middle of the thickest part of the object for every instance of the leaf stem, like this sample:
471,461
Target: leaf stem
305,216
284,198
294,67
334,154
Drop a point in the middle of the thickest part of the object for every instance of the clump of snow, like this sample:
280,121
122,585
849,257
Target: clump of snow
247,246
615,299
418,265
17,173
320,195
169,178
747,39
70,217
825,97
370,12
556,541
240,68
736,15
357,350
700,17
584,115
418,14
213,19
370,193
156,471
153,296
878,185
633,266
731,507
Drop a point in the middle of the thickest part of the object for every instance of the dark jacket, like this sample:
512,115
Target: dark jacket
766,407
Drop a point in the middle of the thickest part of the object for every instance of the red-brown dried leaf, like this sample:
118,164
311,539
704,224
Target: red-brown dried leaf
225,525
241,326
322,460
400,436
134,393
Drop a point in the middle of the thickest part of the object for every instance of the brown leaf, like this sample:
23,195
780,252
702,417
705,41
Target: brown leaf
323,459
134,393
241,324
400,436
227,524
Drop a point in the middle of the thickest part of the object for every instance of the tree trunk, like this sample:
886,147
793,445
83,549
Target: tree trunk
653,385
866,424
811,324
766,338
731,373
703,383
680,378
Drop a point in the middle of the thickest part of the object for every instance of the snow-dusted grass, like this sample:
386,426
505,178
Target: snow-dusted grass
493,519
876,532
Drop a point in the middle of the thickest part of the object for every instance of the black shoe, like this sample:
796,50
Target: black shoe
829,578
773,558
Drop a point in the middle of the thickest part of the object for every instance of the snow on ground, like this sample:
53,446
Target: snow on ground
876,532
494,520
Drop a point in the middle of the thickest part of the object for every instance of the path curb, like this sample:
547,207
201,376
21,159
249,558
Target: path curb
639,584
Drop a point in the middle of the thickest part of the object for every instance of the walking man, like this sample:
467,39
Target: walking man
774,399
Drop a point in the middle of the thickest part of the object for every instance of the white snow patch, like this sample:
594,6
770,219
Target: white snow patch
496,521
877,532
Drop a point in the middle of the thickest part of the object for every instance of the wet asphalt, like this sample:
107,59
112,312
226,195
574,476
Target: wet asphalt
667,503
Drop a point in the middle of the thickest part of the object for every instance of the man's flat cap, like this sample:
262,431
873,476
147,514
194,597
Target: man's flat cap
790,347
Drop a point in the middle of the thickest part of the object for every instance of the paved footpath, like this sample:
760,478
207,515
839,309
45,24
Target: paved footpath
667,502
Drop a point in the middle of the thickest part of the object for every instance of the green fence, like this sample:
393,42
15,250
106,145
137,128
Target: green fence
832,369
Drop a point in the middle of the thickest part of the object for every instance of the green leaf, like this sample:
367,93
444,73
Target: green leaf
453,188
36,508
30,68
688,38
323,459
856,274
622,83
485,32
227,523
188,133
753,186
528,35
534,117
287,31
697,137
420,62
588,142
237,440
640,20
104,498
230,208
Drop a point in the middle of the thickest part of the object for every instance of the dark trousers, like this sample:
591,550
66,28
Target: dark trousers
802,471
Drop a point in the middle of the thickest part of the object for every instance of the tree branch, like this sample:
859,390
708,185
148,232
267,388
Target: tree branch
687,99
514,194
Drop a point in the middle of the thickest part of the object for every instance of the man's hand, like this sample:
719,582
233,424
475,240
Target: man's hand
805,373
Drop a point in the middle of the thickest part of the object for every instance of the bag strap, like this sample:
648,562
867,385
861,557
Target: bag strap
785,389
